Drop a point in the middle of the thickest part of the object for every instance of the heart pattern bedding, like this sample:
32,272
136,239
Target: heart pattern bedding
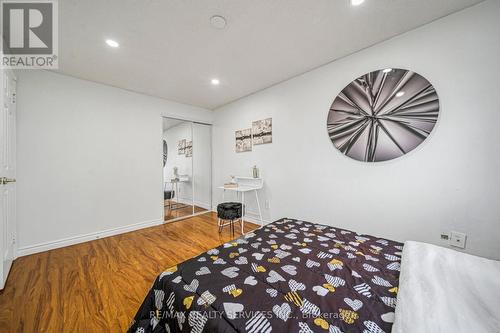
290,276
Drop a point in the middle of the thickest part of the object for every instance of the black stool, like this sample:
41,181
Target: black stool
229,211
168,195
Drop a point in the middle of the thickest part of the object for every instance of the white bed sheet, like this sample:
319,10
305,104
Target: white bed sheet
442,290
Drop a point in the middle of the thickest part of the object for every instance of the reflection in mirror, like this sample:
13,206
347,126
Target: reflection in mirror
165,152
177,170
202,167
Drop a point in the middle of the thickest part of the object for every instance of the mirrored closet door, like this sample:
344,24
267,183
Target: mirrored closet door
202,167
187,162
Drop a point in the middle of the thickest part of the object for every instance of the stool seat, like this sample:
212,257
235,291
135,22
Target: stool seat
168,194
229,210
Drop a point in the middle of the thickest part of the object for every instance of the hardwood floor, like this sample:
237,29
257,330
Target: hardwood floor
98,286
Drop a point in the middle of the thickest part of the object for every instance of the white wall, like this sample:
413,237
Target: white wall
89,159
450,182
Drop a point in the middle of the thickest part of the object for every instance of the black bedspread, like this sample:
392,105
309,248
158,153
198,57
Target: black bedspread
290,276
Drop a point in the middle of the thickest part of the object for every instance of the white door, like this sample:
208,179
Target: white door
8,227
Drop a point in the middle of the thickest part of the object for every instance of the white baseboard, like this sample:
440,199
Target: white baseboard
202,205
41,247
255,219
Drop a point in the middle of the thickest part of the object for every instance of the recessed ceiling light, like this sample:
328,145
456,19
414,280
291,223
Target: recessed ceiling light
400,93
387,70
112,43
218,22
356,2
215,82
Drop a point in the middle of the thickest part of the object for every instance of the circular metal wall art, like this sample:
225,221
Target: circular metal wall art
383,115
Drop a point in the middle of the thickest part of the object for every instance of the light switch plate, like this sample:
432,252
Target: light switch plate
458,239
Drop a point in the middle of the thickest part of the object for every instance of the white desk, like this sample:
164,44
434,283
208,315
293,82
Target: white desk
246,184
175,183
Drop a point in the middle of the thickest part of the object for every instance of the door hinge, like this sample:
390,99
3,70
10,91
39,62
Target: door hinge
5,180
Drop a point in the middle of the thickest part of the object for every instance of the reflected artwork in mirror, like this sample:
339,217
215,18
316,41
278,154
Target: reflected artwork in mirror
165,152
383,115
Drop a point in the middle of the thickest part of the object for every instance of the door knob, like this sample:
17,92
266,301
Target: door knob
5,180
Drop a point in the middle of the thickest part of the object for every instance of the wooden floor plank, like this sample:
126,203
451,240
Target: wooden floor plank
98,286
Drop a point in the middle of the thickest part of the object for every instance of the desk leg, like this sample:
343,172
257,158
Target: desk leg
176,194
243,213
258,206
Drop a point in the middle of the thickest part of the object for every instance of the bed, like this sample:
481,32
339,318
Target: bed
443,290
289,276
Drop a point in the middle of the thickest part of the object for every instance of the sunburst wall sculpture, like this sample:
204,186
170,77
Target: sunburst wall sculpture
383,115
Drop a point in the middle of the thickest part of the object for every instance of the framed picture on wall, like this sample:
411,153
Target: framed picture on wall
189,148
181,147
244,140
262,131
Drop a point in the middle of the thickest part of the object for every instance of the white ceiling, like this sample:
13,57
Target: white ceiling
168,48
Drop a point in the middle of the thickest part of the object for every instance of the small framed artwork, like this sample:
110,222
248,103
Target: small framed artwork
244,140
189,148
262,131
181,147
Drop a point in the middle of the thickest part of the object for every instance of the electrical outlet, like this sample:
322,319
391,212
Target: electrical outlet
445,237
458,239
